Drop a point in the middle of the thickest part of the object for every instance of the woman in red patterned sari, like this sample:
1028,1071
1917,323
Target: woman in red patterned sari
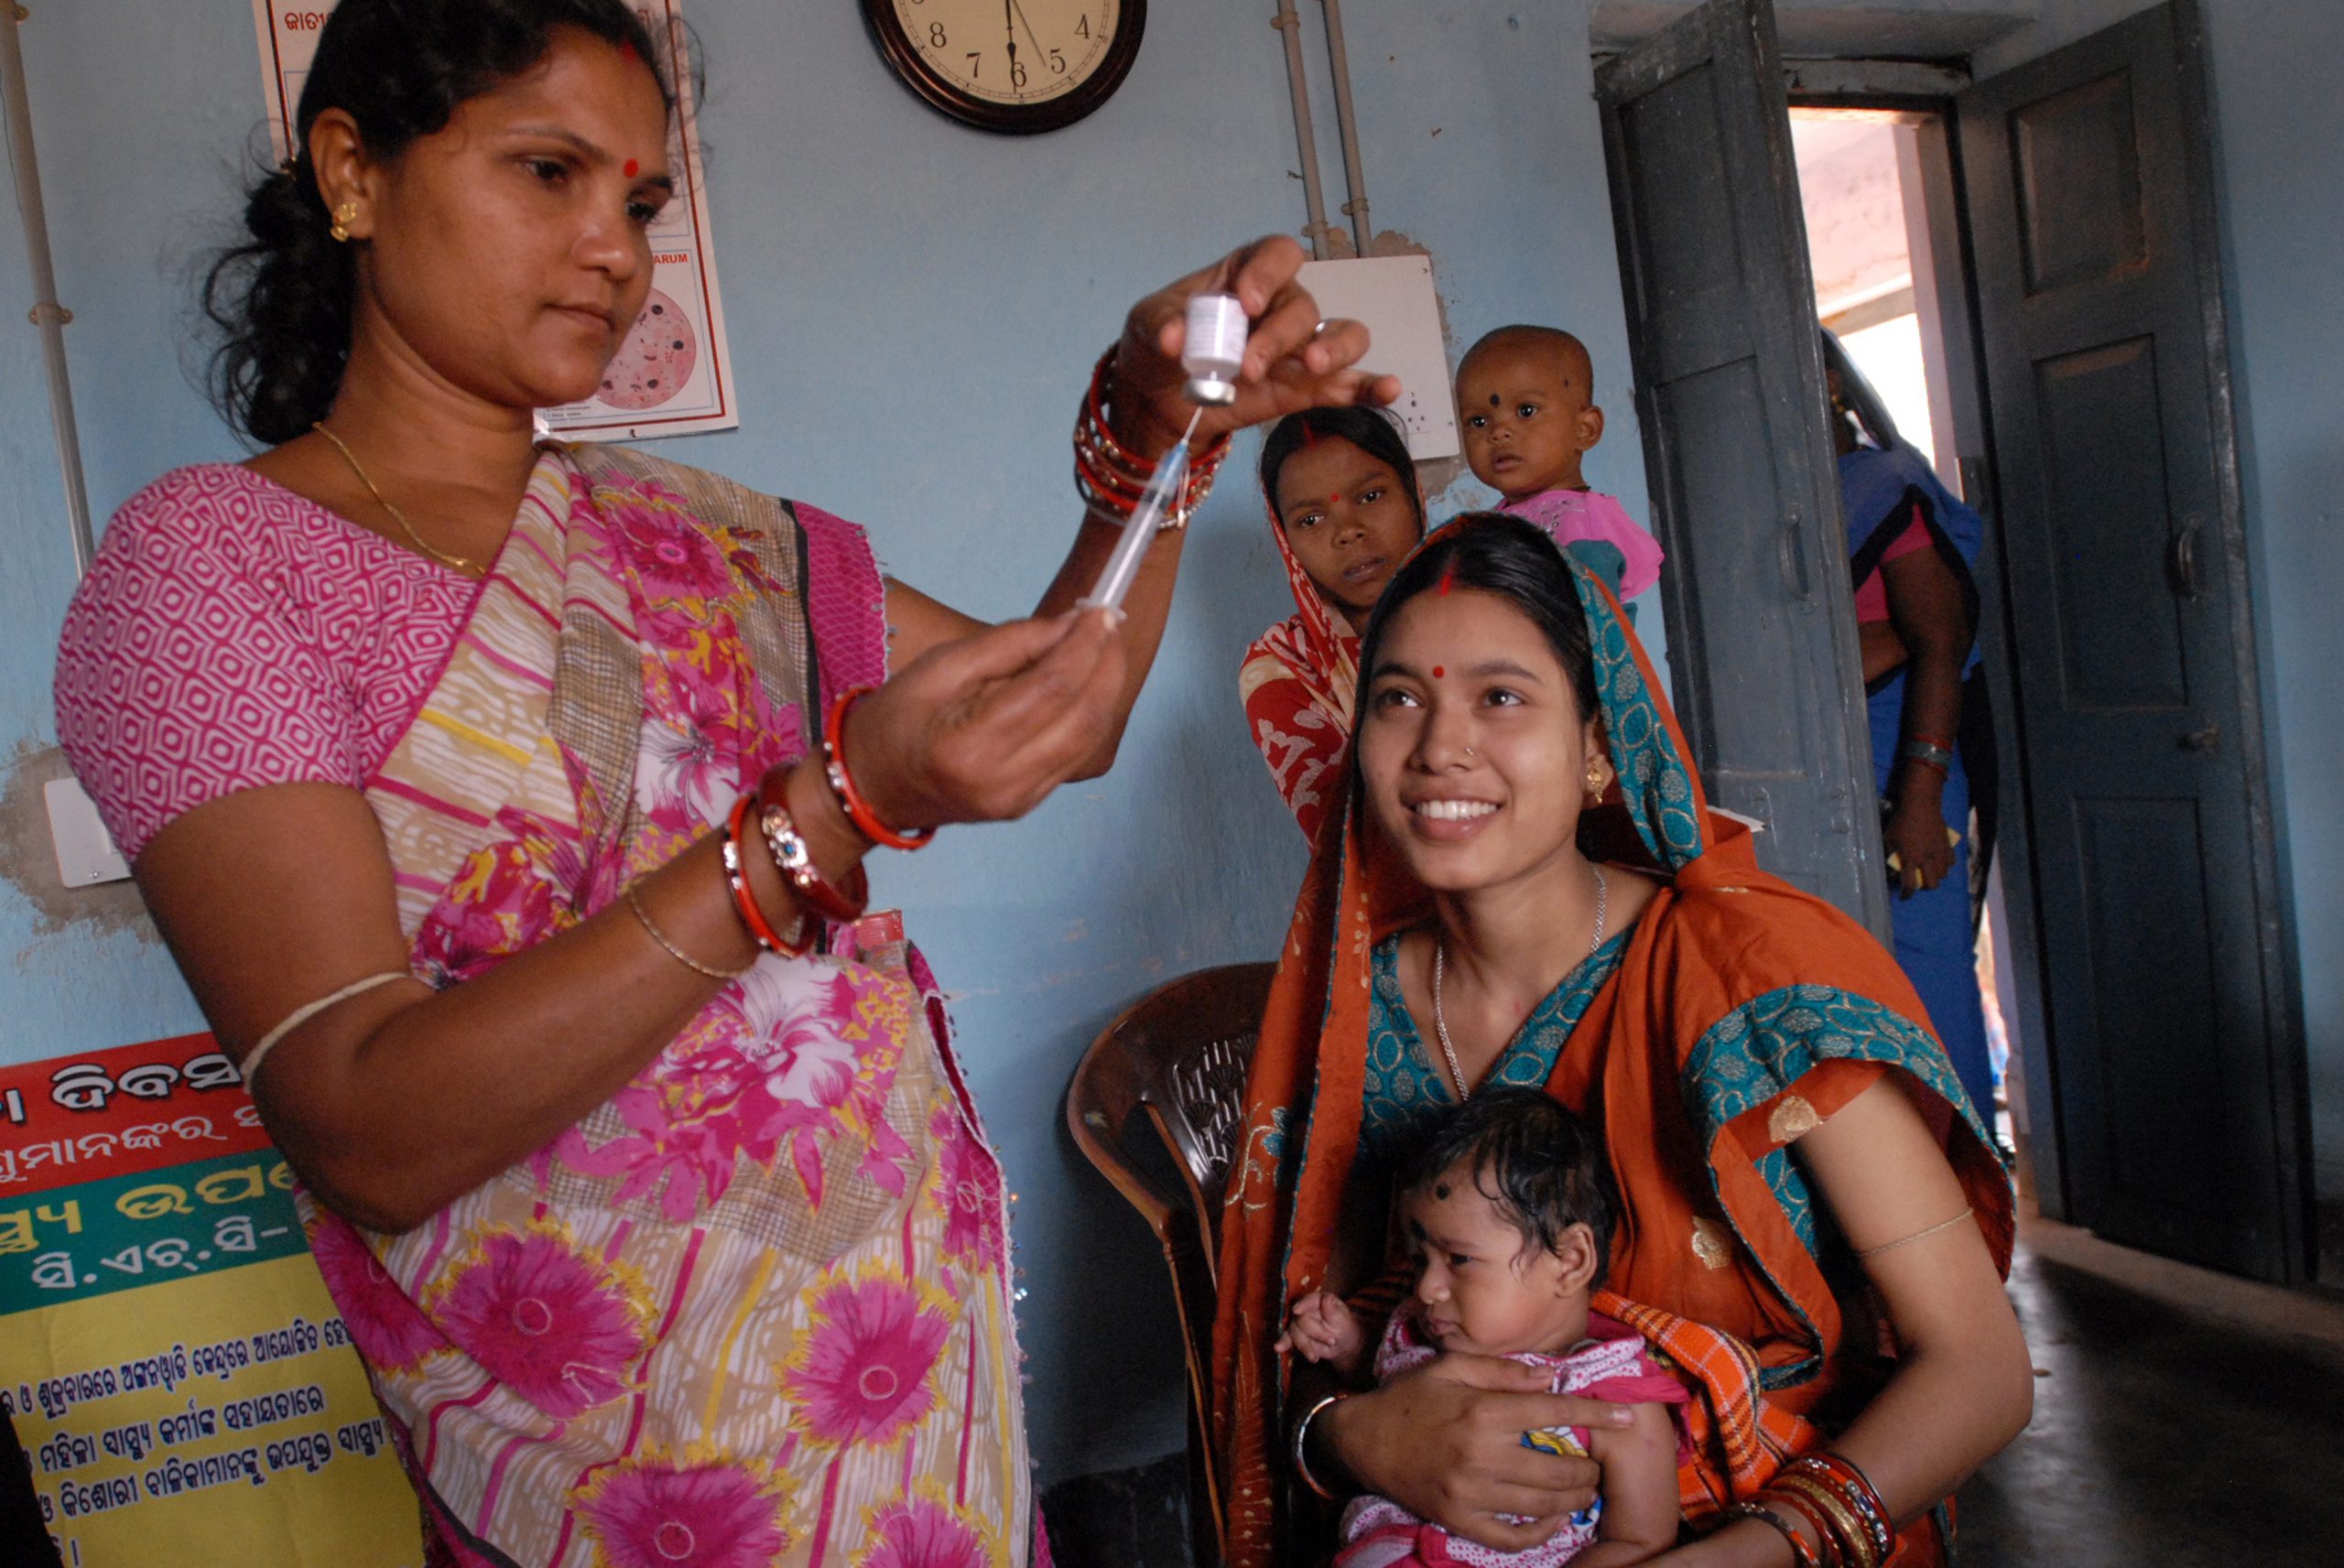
1344,509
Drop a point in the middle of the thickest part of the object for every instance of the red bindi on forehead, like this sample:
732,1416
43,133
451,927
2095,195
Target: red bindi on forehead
632,169
1438,673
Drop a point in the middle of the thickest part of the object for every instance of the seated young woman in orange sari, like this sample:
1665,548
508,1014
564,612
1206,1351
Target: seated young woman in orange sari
1529,889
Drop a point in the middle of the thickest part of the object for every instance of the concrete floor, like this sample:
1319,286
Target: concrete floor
2183,1418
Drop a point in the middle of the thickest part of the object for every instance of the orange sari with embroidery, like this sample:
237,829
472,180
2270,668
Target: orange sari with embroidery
1742,1012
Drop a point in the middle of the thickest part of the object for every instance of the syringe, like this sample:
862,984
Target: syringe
1163,493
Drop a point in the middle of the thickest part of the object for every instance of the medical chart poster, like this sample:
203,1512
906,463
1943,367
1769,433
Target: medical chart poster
673,375
176,1372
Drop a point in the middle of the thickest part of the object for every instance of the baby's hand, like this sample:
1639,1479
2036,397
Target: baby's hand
1323,1328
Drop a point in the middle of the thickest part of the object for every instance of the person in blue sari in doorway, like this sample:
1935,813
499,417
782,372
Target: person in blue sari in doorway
1912,544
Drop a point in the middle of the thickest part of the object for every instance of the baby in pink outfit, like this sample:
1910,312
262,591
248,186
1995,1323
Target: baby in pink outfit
1525,404
1511,1206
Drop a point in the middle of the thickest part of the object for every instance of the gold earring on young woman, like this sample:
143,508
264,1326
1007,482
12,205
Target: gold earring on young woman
1595,781
344,216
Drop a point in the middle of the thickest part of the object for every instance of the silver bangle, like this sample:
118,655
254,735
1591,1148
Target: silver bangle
1301,1437
1924,752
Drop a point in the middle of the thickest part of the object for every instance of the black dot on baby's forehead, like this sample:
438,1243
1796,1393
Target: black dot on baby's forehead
1493,400
1440,1189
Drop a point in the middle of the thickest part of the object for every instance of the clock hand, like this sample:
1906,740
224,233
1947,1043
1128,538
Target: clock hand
1009,22
1029,26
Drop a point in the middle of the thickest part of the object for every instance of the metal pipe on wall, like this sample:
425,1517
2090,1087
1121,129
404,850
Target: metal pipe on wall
1318,231
1347,125
47,314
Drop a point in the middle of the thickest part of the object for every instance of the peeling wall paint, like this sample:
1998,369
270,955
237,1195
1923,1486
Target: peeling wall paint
28,858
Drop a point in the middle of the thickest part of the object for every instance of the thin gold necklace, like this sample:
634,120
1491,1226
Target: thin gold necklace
1441,1016
459,563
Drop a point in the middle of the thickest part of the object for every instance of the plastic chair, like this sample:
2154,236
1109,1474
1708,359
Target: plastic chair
1165,1086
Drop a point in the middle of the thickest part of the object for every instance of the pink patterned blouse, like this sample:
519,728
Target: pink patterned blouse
233,634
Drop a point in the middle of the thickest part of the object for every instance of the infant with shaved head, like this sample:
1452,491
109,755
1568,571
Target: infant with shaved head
1526,404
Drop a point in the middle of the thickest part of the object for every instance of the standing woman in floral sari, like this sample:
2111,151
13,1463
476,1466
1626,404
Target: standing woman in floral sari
1529,890
504,803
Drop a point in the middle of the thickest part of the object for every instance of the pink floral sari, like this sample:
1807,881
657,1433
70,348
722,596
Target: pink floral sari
755,1309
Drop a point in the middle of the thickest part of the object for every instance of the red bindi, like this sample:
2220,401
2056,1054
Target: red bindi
1447,578
1437,672
633,169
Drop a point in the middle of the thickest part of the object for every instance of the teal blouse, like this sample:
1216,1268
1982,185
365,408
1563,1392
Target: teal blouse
1408,1085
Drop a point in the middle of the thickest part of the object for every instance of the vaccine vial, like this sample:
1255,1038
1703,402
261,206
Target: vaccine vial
1215,348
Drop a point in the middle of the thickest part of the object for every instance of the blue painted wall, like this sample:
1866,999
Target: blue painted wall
913,310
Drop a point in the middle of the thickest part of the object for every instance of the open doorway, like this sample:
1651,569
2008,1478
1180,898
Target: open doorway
1878,281
2074,254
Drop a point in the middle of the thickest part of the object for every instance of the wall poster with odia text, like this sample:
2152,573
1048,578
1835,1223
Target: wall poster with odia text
179,1376
673,374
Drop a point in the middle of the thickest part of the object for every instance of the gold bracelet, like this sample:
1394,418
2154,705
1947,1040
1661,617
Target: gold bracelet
1916,1236
686,959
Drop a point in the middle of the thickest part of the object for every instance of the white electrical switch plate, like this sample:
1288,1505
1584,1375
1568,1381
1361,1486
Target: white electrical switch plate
85,853
1394,297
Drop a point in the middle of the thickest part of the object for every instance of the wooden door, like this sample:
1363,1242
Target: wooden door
2089,188
1762,634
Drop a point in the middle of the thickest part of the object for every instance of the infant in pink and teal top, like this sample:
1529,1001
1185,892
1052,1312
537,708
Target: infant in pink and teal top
1525,407
1510,1206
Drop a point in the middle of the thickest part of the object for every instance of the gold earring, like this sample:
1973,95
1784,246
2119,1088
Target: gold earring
344,216
1595,780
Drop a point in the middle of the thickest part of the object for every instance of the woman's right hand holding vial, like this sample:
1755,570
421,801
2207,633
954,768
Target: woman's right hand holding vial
1291,362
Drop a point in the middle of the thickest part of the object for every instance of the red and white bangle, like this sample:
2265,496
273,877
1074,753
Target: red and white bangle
1111,477
795,859
744,900
858,810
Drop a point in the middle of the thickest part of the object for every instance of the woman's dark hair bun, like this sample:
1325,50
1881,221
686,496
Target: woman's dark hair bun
282,298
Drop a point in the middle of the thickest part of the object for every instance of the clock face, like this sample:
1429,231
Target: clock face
1009,65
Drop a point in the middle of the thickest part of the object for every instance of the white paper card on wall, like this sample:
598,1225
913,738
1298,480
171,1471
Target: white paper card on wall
1394,297
673,375
85,851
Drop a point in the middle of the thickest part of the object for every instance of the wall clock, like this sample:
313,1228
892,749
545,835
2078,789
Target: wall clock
1016,66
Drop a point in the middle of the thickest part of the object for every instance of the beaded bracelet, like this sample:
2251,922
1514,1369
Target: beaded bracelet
796,859
858,810
744,902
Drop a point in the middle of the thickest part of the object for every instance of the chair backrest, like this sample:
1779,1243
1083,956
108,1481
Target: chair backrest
1177,1057
1171,1073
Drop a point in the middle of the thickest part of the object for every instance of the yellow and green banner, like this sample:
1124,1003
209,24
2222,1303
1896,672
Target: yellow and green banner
174,1369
